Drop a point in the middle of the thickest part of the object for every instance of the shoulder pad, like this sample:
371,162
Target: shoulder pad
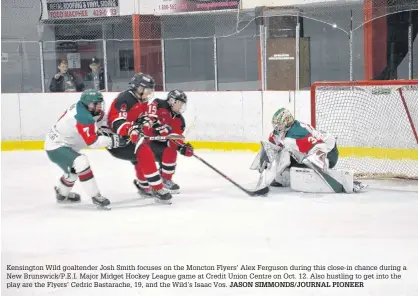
125,101
162,103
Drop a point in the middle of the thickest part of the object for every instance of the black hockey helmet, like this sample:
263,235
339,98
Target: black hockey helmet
177,94
173,97
143,85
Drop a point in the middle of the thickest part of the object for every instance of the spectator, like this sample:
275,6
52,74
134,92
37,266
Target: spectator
96,77
64,81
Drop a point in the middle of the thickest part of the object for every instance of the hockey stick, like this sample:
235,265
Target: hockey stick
259,192
157,138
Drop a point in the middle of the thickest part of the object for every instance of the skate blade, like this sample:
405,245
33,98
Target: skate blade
361,188
143,196
103,208
68,202
163,202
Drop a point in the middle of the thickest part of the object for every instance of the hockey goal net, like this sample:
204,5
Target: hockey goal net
375,122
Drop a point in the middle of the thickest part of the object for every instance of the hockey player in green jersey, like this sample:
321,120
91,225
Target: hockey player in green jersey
294,144
76,129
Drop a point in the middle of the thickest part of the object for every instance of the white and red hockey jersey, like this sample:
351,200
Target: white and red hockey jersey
77,129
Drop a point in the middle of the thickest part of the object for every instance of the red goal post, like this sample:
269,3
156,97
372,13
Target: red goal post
375,122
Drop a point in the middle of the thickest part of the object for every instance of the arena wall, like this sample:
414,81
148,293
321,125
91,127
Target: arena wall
216,119
223,120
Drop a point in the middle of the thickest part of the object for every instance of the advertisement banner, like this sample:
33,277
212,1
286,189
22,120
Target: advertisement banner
175,6
66,9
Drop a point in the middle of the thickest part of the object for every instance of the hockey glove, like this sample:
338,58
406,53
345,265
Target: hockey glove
117,141
161,129
105,131
135,133
143,121
186,150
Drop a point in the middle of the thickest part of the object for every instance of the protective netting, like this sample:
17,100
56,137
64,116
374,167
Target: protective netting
202,45
376,125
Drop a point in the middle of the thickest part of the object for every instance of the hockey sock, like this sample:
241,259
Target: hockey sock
146,162
85,174
142,181
168,164
66,183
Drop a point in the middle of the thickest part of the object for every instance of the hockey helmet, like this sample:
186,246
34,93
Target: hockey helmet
282,120
177,100
143,85
93,100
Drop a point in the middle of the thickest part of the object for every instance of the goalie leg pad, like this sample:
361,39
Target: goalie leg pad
307,180
283,178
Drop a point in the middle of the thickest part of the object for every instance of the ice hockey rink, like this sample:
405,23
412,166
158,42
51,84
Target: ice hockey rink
210,222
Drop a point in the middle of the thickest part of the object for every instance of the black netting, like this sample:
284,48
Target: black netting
274,48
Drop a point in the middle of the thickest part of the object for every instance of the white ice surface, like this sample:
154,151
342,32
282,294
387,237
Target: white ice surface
209,223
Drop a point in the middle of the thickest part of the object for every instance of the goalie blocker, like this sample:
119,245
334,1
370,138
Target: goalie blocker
300,157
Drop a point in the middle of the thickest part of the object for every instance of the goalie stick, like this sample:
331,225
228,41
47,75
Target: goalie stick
336,186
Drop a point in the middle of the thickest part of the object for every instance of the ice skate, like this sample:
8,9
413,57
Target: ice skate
274,183
101,201
71,198
143,192
162,196
359,186
172,187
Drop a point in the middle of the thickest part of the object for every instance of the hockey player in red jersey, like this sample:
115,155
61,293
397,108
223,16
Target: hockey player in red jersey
128,117
169,114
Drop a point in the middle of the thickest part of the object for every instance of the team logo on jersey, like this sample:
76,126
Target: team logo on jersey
123,107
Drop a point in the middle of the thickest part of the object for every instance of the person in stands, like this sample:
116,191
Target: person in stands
65,81
96,78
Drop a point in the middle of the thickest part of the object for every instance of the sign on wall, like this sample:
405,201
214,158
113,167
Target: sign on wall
66,9
175,6
4,57
74,60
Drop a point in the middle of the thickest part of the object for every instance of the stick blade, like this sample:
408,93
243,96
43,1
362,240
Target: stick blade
259,192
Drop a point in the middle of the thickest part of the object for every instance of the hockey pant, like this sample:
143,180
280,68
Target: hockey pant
74,165
146,169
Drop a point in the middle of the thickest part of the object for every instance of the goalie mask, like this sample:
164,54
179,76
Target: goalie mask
282,120
177,100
